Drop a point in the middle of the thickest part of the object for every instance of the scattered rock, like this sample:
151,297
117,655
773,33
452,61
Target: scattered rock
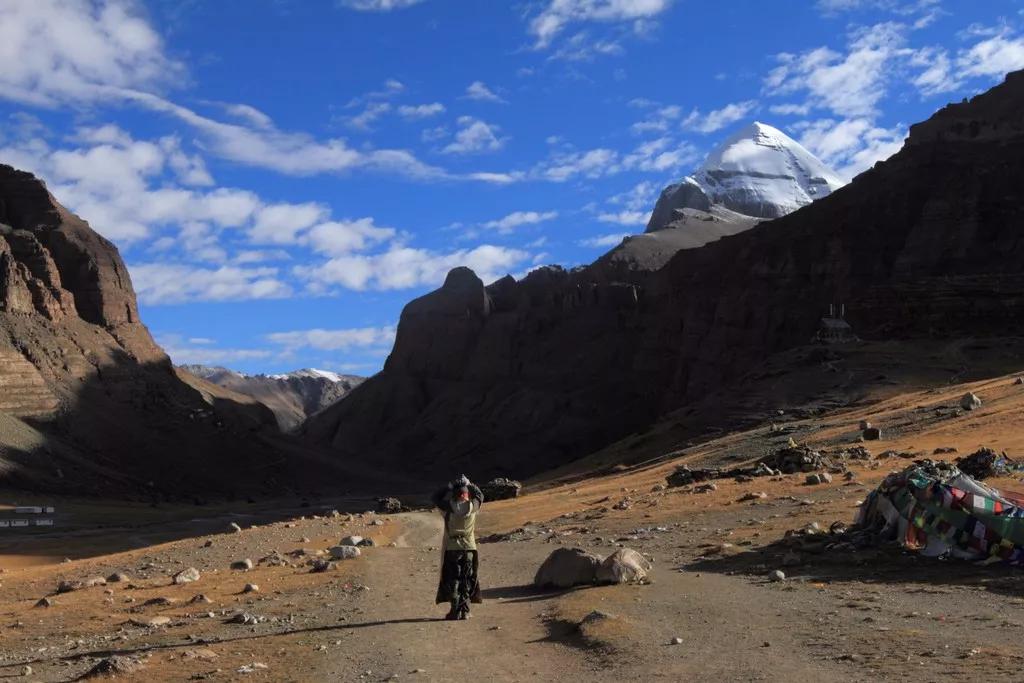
985,463
624,566
186,576
970,401
67,586
159,602
1019,381
872,434
44,602
317,565
758,495
252,668
389,506
26,670
235,528
94,581
676,641
705,488
795,458
153,622
242,565
501,489
344,552
243,618
118,577
351,540
251,588
115,666
367,543
200,600
566,567
776,575
864,424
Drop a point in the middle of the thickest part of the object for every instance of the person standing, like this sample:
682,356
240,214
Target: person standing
459,501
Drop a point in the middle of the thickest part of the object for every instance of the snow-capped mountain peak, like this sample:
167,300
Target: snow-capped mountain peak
758,171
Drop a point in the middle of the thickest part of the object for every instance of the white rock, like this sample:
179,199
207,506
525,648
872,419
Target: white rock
344,552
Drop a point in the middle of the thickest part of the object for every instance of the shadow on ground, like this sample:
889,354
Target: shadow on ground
883,564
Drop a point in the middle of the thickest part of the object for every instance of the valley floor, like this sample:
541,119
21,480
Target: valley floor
839,615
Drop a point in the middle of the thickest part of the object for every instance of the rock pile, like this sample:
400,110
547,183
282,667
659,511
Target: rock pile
567,567
501,489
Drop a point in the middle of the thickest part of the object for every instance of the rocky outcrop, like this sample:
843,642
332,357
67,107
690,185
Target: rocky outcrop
517,377
89,403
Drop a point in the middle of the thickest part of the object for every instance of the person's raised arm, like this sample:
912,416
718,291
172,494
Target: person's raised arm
441,497
475,492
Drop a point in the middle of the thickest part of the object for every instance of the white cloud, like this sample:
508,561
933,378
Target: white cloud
790,109
626,217
582,47
199,351
591,164
719,118
604,241
365,119
557,14
474,136
334,340
477,90
658,155
848,84
58,51
993,57
338,238
421,111
516,219
377,5
169,283
659,121
282,223
850,146
403,267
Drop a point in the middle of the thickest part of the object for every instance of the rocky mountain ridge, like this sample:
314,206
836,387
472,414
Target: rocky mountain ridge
517,377
293,397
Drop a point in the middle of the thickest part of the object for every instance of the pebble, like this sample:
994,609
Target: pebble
186,576
776,575
251,588
242,565
677,641
234,527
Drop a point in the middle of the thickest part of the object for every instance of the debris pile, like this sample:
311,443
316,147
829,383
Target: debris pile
389,506
986,463
796,458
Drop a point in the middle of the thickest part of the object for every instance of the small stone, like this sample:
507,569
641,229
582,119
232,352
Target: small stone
242,565
825,478
200,600
864,424
970,401
243,618
351,540
159,602
367,543
118,577
26,670
234,527
251,588
186,576
677,641
44,602
872,434
153,622
94,581
753,495
1018,381
812,479
318,565
776,576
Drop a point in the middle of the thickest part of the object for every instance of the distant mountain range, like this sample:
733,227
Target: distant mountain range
292,396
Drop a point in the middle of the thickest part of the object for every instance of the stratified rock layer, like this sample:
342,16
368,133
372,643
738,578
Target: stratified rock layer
518,377
88,402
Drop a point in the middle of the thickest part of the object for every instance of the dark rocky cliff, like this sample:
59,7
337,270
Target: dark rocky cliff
521,376
88,402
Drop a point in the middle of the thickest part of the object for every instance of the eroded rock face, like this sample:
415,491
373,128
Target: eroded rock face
519,377
89,403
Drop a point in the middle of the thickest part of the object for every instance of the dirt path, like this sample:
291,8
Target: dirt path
520,634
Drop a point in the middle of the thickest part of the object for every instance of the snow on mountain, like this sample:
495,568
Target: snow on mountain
292,396
759,171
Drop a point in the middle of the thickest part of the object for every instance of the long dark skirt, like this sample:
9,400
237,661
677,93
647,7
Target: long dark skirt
460,581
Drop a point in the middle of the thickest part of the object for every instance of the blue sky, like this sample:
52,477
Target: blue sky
282,176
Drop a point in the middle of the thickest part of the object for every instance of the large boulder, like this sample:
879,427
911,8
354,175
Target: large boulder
566,567
624,566
501,489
